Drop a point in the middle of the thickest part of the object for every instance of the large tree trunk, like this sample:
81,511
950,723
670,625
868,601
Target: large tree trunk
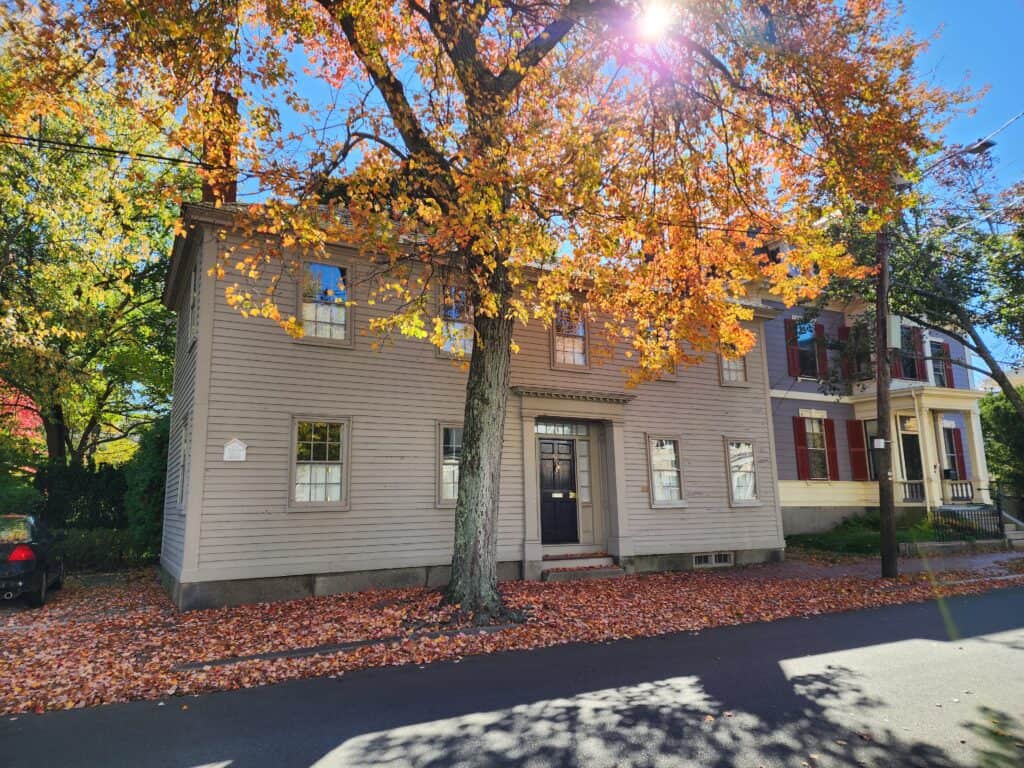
56,435
474,581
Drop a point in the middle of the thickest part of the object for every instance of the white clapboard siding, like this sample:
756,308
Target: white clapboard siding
260,378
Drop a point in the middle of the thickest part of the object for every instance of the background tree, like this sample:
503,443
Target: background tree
83,242
617,159
1004,440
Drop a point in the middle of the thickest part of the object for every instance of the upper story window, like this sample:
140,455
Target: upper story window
320,462
908,361
570,334
324,294
733,370
456,321
806,352
942,364
193,301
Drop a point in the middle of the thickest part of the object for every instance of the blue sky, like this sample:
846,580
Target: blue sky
979,43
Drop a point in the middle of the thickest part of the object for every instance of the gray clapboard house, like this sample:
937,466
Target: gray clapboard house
317,465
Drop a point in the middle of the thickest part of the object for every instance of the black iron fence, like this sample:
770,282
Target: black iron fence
967,523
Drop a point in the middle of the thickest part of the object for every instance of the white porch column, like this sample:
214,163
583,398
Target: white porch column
979,465
620,539
930,459
532,553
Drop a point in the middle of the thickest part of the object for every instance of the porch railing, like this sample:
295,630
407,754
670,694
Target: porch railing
959,490
974,522
913,490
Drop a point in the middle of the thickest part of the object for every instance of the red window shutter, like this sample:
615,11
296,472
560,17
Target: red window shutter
820,350
846,354
830,446
858,450
958,446
792,348
895,364
922,368
803,461
947,363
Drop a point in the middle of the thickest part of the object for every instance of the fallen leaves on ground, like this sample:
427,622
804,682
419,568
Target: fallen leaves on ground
99,644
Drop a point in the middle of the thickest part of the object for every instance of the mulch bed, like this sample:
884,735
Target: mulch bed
99,644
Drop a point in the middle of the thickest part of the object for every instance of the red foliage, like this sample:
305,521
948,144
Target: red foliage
94,645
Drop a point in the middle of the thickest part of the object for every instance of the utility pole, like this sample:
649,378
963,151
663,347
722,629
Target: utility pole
883,444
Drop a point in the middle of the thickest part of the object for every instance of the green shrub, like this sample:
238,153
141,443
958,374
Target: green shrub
82,497
100,549
145,477
862,535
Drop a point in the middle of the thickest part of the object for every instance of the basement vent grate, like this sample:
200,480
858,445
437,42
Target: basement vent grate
713,560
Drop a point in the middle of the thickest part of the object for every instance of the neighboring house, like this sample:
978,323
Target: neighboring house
824,416
318,465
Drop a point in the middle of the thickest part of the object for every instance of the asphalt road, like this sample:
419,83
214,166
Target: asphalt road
933,684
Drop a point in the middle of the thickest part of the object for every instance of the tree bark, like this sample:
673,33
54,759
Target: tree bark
56,429
474,580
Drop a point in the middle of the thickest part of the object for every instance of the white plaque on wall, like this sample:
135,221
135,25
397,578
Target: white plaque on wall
234,450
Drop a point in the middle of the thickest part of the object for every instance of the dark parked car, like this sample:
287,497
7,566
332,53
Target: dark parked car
29,565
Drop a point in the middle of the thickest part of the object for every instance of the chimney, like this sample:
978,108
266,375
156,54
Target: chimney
221,179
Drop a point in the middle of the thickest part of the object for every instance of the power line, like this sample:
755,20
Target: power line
92,149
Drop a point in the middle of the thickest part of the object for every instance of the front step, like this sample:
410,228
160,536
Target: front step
576,560
583,573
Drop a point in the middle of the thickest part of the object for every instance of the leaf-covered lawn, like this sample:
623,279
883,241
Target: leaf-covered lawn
98,644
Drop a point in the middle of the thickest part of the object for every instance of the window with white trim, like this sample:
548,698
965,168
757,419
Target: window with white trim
734,369
570,338
324,298
193,301
742,471
817,453
451,455
320,462
666,475
184,455
456,321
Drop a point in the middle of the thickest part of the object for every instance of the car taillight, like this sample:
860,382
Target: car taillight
21,553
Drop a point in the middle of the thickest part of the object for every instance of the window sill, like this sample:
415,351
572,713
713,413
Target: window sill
736,384
746,504
669,505
316,341
445,504
317,507
569,367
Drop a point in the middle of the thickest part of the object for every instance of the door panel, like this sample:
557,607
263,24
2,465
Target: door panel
558,510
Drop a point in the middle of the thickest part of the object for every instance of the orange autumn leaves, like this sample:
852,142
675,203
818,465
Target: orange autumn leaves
462,140
102,644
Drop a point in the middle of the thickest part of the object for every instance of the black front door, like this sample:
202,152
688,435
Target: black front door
558,492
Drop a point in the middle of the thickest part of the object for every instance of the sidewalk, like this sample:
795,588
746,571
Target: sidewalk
982,563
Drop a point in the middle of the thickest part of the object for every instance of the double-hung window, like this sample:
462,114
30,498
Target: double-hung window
319,477
806,349
817,450
450,455
456,321
193,301
570,338
734,370
325,312
808,345
742,471
184,457
666,476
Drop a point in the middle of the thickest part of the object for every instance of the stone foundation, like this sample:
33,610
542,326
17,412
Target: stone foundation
684,562
215,594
